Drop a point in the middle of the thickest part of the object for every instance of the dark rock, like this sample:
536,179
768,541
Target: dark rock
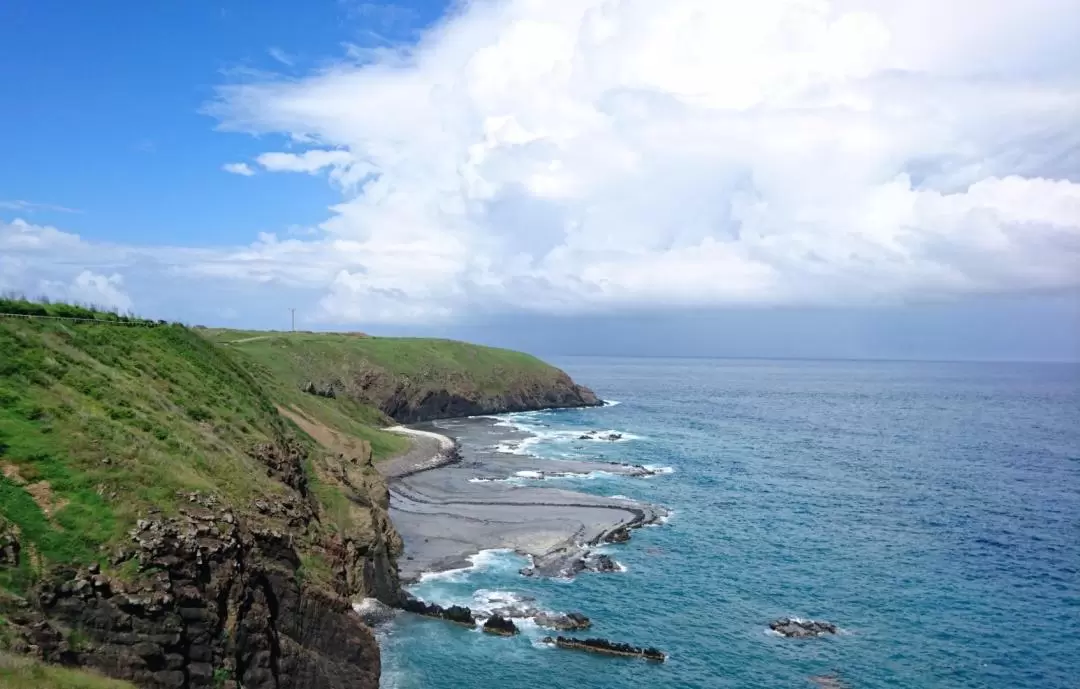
455,613
215,599
800,629
500,625
602,563
459,614
605,647
569,622
619,535
10,549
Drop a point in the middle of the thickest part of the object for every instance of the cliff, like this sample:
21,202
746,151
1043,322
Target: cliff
186,509
411,379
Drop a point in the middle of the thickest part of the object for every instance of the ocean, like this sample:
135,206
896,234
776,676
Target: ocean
930,510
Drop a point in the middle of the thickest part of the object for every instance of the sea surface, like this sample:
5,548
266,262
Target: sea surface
931,510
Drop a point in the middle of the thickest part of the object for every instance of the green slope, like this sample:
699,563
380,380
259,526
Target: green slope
399,374
100,423
21,673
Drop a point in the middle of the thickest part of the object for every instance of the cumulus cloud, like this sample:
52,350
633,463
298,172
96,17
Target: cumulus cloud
309,161
238,169
104,291
579,156
603,154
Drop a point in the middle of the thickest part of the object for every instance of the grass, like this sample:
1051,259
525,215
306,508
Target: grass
99,423
385,363
22,673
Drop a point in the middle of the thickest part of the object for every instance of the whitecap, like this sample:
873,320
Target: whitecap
655,470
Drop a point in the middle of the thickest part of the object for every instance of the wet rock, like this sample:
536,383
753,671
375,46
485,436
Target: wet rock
602,563
455,613
605,647
500,625
573,621
794,628
619,535
373,611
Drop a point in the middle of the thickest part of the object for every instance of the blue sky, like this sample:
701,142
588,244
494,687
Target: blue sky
845,178
104,100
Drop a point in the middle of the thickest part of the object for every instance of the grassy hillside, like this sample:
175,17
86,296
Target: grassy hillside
101,423
394,373
22,673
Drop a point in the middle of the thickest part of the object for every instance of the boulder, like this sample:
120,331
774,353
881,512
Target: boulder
794,628
500,625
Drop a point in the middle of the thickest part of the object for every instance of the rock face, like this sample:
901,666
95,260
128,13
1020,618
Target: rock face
605,647
408,401
500,625
570,622
219,605
801,629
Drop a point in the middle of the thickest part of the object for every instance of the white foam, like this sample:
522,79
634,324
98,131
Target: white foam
656,470
611,403
482,561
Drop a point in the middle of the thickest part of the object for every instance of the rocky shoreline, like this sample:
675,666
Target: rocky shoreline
446,508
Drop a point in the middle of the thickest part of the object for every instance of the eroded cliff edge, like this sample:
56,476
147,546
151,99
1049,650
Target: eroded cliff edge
180,510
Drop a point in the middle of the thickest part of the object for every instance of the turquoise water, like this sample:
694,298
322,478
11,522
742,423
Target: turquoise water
930,510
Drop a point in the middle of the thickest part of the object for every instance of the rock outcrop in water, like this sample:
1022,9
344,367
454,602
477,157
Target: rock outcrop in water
454,613
619,535
800,629
602,563
500,626
605,647
570,622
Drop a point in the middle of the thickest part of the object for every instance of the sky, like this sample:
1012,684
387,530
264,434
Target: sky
807,178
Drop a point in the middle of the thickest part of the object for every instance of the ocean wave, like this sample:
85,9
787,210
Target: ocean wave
611,403
520,477
656,470
563,436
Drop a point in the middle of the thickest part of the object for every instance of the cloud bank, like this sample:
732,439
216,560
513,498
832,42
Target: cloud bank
585,156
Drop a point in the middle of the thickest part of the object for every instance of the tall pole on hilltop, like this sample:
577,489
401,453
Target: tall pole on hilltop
292,312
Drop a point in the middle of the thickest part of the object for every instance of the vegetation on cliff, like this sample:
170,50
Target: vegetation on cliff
178,510
410,379
25,673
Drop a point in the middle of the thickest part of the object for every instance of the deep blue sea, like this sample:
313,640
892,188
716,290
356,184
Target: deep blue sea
931,510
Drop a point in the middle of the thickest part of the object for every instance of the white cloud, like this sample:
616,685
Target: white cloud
590,155
309,161
238,169
31,207
281,56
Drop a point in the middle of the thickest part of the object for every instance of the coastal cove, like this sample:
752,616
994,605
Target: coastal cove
892,499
